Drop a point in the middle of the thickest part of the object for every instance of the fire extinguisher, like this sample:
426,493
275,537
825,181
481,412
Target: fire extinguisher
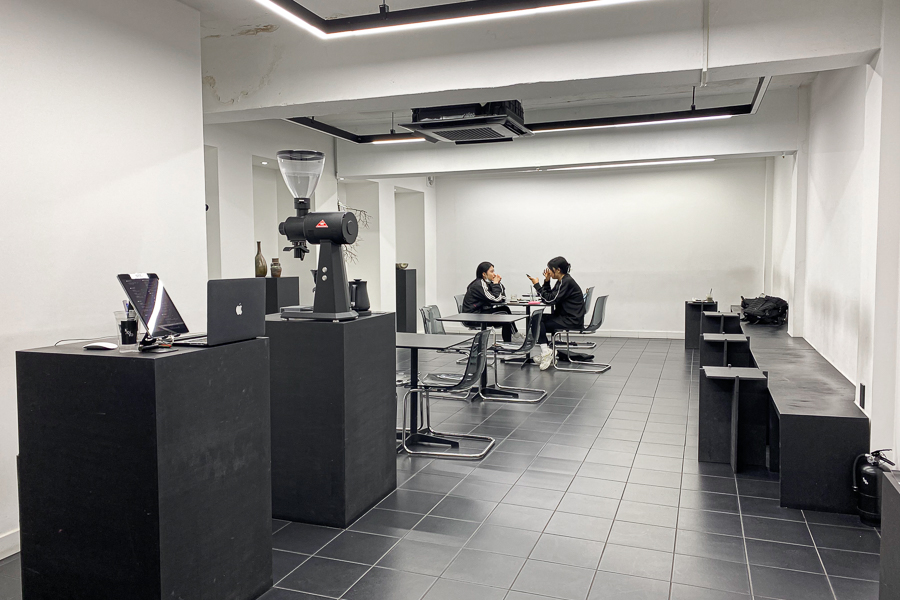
867,470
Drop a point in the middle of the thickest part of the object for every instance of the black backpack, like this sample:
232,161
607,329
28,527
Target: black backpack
765,310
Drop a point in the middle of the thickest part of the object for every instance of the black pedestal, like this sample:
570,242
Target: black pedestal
719,322
815,456
145,476
889,580
721,350
281,291
692,311
734,417
334,417
407,308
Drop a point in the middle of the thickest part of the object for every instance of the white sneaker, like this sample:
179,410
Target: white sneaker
546,357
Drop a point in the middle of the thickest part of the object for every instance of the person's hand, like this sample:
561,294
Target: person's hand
547,275
533,280
497,278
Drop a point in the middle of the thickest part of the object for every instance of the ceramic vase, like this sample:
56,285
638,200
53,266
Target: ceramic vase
276,268
261,268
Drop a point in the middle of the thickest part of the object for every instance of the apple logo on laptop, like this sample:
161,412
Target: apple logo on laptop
239,310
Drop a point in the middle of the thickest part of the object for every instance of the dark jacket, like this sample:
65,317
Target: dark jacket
481,295
566,300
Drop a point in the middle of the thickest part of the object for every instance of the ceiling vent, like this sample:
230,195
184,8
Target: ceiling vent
471,123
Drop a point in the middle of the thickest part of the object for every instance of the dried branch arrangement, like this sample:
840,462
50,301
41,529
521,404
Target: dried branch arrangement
365,219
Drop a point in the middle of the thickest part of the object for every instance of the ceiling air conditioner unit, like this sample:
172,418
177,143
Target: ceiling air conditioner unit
471,123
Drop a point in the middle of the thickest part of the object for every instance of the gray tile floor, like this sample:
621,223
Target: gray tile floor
593,494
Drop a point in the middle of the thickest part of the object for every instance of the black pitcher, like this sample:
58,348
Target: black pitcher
359,295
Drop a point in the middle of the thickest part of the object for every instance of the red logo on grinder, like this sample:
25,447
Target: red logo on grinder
322,224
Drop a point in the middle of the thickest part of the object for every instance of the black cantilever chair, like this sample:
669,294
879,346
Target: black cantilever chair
597,318
430,315
475,365
531,335
588,295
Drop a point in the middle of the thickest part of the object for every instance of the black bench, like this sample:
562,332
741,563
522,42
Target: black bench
816,429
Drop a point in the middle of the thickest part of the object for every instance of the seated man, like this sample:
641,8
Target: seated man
485,293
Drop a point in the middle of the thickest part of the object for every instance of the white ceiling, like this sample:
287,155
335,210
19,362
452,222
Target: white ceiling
579,100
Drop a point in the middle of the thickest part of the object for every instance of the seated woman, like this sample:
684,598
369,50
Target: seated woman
483,295
566,300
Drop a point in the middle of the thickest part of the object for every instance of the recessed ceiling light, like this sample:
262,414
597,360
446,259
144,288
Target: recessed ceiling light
316,31
649,163
264,162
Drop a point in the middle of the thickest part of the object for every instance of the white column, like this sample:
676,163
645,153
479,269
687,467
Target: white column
388,244
801,185
884,408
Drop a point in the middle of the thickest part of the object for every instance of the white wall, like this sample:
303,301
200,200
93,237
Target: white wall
364,195
102,154
236,144
651,238
783,229
834,207
211,182
265,213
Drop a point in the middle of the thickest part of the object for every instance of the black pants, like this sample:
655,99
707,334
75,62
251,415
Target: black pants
550,324
508,329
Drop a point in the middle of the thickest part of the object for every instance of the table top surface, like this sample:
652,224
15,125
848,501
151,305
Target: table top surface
710,313
429,341
702,302
725,337
482,318
77,349
801,381
748,373
523,303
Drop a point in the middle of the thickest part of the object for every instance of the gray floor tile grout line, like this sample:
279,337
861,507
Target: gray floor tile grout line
819,555
680,487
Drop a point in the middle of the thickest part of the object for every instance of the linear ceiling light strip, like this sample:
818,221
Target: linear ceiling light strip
429,16
684,116
648,163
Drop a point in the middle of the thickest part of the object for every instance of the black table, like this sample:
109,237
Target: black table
485,321
424,341
527,304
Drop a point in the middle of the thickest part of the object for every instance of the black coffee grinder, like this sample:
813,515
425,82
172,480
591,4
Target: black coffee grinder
301,170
